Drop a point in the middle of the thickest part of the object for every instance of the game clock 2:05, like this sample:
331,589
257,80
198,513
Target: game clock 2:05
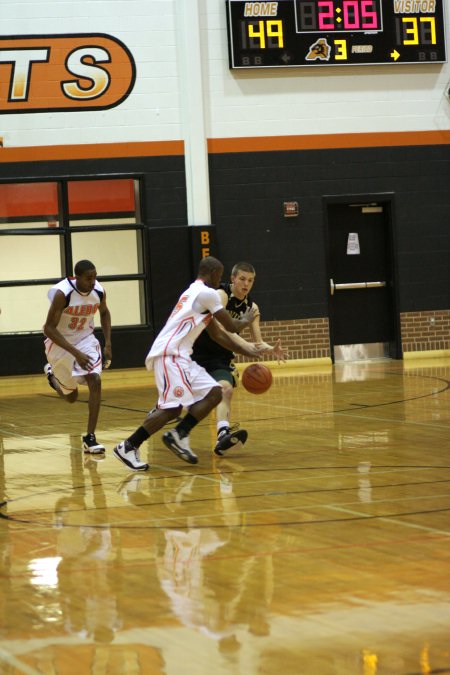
289,33
329,15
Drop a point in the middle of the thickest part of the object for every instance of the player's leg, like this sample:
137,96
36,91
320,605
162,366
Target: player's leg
195,390
159,417
201,409
167,409
155,408
177,439
128,450
58,370
94,383
223,411
92,378
227,436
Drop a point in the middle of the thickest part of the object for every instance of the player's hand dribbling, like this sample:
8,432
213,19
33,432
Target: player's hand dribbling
279,353
277,350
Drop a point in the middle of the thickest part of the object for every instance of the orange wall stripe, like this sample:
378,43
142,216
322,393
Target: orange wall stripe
327,141
224,145
91,151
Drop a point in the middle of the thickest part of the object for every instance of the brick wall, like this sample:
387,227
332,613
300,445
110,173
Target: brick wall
302,338
309,338
425,331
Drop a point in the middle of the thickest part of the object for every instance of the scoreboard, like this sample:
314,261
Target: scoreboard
293,33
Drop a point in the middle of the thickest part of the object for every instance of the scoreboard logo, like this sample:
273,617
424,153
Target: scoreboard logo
64,73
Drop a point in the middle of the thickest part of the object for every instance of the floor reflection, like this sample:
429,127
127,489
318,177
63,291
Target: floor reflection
321,547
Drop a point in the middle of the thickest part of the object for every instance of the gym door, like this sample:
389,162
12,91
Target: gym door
363,322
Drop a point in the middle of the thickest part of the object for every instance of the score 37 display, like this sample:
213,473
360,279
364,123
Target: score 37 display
292,33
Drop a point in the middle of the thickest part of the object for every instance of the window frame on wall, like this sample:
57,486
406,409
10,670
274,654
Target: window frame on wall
61,224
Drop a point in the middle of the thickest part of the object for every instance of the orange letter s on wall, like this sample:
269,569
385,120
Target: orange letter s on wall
61,73
97,79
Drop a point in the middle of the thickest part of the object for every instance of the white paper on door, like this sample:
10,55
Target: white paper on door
353,244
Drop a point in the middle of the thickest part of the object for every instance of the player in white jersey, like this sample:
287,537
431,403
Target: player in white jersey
181,382
73,352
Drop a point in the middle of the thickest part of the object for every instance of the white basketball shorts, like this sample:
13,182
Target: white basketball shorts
66,369
180,381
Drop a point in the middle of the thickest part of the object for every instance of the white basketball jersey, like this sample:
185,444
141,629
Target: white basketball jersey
186,322
77,319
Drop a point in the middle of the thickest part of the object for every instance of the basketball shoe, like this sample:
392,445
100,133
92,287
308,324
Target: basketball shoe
90,444
130,456
49,372
180,446
228,438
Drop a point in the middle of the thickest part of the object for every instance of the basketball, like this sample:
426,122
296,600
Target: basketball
257,378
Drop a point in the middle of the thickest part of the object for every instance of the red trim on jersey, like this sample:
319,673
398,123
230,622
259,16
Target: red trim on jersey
168,383
99,360
183,377
47,342
187,319
167,380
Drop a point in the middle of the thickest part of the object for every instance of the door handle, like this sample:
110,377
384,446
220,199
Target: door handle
357,284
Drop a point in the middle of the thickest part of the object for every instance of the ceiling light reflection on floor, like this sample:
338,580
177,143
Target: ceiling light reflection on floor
44,571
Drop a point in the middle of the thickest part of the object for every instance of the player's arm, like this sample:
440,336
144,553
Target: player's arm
234,325
275,350
105,321
246,319
232,341
212,301
255,331
51,329
255,328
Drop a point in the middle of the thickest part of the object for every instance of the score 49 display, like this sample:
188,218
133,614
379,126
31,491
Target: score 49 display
292,33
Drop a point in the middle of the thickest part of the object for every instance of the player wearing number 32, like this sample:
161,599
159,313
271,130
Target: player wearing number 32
73,352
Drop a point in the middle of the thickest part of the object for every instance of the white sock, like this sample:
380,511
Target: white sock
223,424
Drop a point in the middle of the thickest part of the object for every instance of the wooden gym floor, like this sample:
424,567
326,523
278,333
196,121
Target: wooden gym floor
322,547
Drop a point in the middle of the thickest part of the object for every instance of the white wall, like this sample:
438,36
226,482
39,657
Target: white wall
237,103
147,28
347,99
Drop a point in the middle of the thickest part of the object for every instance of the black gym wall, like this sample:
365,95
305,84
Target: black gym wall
247,195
